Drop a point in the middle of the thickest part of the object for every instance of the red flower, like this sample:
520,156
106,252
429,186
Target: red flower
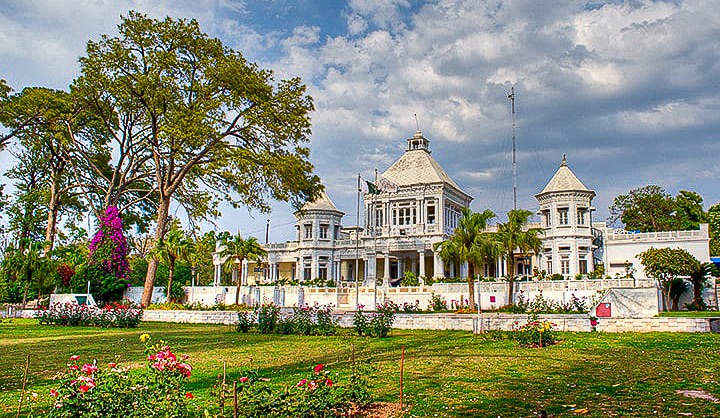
301,383
244,379
74,358
189,395
328,382
54,393
89,369
319,368
74,367
84,388
112,365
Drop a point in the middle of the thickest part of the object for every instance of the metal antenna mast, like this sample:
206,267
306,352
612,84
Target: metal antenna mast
511,96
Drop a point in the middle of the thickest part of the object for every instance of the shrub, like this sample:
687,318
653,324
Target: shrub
113,315
92,390
267,316
437,303
245,321
410,279
535,333
319,394
376,324
411,307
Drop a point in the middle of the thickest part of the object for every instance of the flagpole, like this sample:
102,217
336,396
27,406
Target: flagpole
375,227
357,248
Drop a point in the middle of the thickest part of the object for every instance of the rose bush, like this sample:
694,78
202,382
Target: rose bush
112,315
109,390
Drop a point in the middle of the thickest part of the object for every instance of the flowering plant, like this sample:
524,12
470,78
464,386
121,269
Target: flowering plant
317,394
378,323
109,390
108,266
112,315
535,333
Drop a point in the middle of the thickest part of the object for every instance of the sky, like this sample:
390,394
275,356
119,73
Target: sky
627,89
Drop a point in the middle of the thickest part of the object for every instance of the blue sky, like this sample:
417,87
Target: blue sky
627,89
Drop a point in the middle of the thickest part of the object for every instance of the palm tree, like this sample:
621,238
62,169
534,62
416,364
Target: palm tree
701,273
239,249
515,235
468,244
28,264
174,246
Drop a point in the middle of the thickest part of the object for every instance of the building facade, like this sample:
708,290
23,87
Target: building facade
418,205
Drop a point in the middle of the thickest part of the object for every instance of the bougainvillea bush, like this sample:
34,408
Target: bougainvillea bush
89,389
112,315
107,269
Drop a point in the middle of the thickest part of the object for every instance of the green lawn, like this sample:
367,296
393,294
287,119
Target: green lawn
690,314
447,373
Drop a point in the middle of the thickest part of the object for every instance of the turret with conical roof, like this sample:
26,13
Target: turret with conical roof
318,220
566,209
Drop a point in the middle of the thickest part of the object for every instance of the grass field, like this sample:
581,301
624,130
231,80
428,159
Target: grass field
447,373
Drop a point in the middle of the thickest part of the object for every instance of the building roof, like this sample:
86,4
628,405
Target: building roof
417,166
564,180
322,202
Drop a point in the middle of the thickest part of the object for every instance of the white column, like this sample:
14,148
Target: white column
400,267
437,266
245,270
413,265
421,255
386,267
464,269
452,270
313,267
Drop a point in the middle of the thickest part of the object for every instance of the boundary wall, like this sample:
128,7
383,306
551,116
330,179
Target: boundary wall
473,322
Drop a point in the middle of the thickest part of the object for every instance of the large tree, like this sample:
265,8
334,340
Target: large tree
650,209
645,209
468,244
713,219
239,249
516,237
667,264
215,127
39,119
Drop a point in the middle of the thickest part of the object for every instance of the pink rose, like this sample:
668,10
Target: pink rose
54,393
112,365
244,379
301,383
74,358
84,388
319,368
328,382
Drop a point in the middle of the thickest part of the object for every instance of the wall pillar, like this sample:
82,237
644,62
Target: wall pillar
386,267
421,259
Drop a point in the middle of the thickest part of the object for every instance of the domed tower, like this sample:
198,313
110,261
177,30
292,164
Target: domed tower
318,226
566,217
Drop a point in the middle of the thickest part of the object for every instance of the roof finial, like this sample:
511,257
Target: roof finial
564,161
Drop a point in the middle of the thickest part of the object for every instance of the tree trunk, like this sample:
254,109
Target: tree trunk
510,263
239,280
171,273
471,285
153,264
54,207
675,303
697,292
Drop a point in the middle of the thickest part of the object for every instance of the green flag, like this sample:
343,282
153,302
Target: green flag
372,188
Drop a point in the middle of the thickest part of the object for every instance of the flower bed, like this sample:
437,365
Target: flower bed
112,315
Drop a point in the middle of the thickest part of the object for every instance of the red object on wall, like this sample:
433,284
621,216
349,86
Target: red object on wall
604,310
492,299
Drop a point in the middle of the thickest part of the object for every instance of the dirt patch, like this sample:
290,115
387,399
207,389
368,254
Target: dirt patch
381,410
698,394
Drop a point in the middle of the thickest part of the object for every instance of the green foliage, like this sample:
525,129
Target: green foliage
438,303
665,265
267,316
535,333
320,394
516,235
110,390
410,279
651,208
112,315
470,243
375,324
104,285
713,218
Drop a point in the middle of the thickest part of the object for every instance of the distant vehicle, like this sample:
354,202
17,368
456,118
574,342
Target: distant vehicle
79,298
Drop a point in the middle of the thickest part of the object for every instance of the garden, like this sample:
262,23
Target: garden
444,373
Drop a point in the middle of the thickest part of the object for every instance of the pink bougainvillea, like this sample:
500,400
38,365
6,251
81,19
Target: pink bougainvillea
109,247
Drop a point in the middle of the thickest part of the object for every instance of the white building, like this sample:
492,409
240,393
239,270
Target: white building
420,206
